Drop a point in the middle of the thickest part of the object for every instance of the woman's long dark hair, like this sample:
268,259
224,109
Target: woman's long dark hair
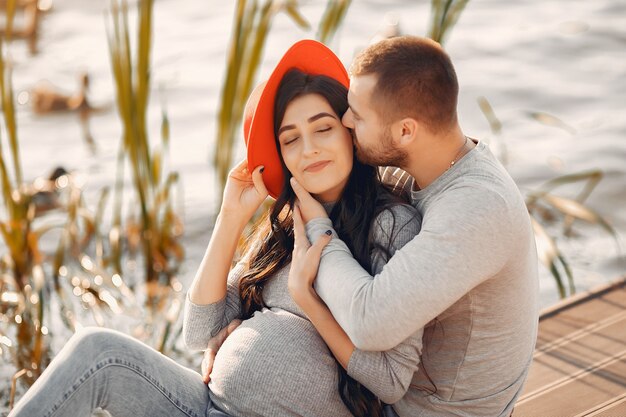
363,198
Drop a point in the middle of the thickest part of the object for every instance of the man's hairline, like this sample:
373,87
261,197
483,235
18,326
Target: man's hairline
379,113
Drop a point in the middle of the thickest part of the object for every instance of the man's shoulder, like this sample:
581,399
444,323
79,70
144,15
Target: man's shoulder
483,177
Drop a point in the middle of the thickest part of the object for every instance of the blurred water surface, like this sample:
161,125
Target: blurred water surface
566,58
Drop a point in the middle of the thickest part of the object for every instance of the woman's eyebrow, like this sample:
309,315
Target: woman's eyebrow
310,120
319,116
286,127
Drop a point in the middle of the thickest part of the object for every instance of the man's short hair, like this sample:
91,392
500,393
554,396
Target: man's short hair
415,78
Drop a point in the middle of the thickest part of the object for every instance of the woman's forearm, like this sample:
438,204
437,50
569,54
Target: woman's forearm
209,284
337,340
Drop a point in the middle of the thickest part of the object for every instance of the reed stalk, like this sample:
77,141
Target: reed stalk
22,278
153,225
23,290
158,228
544,203
545,206
331,20
444,15
11,6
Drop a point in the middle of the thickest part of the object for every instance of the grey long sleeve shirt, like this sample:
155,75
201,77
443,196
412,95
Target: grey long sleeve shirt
469,278
276,364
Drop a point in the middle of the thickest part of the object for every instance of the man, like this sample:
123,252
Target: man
469,278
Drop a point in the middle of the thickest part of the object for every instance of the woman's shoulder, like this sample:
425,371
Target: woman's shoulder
397,218
395,226
399,208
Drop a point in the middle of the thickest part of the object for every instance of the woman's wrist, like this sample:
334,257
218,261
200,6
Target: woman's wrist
232,220
307,299
209,284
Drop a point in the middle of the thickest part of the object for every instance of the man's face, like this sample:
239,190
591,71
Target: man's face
372,135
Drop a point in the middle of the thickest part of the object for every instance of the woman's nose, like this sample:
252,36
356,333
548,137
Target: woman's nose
310,147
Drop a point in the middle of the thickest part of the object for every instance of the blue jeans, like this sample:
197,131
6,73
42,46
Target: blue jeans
100,368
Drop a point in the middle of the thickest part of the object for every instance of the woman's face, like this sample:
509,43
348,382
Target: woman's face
316,147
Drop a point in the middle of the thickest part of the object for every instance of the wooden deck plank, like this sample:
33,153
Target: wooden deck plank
618,410
577,393
579,365
580,353
585,314
613,408
581,332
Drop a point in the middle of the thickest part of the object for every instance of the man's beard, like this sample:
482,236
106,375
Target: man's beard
383,154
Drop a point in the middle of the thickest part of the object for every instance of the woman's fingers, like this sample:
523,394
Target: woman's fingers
207,364
311,253
257,179
302,194
231,327
310,208
299,233
316,249
304,260
242,164
240,171
314,254
241,167
214,344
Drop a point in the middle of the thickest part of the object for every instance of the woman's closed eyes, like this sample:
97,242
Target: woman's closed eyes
322,130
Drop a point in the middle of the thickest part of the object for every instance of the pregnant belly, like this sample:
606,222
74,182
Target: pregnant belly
275,364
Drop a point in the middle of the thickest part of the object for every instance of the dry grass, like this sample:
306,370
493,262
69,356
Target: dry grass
546,207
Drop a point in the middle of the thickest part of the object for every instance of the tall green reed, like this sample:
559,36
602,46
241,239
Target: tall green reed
158,227
153,226
21,279
444,15
331,20
251,27
10,8
25,284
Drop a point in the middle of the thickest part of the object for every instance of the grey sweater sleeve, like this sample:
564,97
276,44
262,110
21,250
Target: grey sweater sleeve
455,250
202,322
387,374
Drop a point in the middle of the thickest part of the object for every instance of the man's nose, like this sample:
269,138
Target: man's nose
347,119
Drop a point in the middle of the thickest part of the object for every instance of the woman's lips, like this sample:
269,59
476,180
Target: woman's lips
317,166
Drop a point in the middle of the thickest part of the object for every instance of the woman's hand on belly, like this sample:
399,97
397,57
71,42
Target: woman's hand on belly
213,347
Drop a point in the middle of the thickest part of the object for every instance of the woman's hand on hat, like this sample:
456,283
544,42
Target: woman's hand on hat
244,192
310,208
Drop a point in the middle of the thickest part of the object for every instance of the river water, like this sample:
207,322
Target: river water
563,58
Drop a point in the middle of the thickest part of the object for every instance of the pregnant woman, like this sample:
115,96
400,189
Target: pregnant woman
275,363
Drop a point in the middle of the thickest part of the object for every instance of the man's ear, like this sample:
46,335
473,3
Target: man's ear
406,131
